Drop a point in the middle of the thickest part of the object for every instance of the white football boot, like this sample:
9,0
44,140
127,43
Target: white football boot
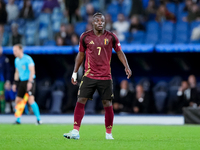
109,136
74,134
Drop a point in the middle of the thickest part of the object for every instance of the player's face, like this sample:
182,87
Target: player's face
99,22
16,51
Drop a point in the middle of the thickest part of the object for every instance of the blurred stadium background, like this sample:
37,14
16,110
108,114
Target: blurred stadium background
160,38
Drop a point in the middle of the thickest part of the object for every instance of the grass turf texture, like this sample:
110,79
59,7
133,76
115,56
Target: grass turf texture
127,137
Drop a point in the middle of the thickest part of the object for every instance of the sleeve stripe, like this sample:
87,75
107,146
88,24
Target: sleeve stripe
83,41
114,40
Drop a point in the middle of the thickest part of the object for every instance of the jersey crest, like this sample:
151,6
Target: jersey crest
106,41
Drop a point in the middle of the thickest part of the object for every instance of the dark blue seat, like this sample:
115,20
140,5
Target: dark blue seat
171,7
152,38
194,24
167,30
49,43
80,27
181,33
181,15
113,10
153,31
153,27
138,37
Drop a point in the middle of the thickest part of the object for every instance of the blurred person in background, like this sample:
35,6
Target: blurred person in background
74,39
121,26
49,5
187,96
183,97
141,101
4,37
12,10
27,10
16,38
63,31
194,93
3,13
70,32
188,5
88,27
136,25
123,99
24,80
60,41
108,22
4,77
163,14
72,7
137,8
89,11
151,9
193,14
9,98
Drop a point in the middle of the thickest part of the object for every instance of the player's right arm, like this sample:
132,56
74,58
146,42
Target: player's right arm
16,80
79,58
78,61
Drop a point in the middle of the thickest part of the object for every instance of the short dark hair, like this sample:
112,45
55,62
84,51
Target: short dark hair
19,45
97,14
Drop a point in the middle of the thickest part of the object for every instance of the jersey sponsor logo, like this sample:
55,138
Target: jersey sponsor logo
91,42
106,41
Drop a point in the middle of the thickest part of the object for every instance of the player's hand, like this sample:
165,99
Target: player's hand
29,86
128,72
14,87
74,78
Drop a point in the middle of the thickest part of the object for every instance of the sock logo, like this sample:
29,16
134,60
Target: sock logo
75,122
108,127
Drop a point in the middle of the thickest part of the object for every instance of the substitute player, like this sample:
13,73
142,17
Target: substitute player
97,45
25,71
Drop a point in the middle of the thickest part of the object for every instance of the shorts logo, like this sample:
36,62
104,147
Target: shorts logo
106,41
91,42
112,95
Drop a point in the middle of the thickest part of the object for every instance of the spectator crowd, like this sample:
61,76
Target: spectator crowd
60,22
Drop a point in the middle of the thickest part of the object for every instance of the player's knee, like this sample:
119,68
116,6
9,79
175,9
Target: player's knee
31,100
82,100
107,103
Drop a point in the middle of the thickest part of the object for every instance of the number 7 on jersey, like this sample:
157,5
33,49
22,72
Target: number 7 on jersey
99,48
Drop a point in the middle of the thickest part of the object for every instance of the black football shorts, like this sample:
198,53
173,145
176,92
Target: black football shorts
88,86
22,89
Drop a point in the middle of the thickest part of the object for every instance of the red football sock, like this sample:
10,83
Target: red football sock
78,115
109,115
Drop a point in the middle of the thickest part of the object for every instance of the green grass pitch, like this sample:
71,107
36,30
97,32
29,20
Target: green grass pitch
92,137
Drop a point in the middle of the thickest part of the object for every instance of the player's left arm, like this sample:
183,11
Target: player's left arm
31,67
30,80
124,61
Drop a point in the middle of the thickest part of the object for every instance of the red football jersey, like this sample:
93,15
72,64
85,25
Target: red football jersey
98,53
